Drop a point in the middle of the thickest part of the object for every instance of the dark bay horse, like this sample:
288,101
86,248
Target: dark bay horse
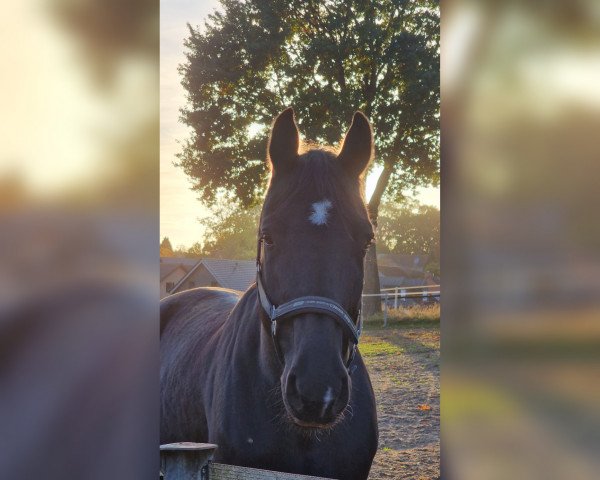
280,388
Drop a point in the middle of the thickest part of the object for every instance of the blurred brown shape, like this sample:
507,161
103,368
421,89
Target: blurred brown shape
520,248
79,261
108,31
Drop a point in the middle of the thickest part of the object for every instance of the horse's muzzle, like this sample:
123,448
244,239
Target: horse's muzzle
315,405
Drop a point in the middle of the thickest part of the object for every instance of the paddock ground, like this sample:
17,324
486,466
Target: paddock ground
403,361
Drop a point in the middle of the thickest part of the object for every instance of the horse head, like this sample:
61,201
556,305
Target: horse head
314,234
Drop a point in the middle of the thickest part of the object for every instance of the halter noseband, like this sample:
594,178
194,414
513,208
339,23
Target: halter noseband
307,304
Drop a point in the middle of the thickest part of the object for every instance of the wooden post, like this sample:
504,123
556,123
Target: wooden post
185,461
385,309
396,298
192,461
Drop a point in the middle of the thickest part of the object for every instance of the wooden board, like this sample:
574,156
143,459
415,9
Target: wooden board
219,471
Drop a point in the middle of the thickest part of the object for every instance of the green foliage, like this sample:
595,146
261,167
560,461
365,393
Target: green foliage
166,249
230,233
409,228
166,243
195,251
371,347
326,59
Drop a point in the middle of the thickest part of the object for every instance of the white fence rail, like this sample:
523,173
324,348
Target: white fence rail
402,293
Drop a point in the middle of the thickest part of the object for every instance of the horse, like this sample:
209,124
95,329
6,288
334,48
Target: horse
273,376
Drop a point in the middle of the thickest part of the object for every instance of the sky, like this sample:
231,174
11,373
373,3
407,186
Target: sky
53,111
179,206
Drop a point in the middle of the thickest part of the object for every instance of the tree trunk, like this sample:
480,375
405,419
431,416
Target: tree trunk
372,305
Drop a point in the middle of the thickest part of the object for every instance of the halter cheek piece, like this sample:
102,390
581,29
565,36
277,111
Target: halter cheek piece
308,304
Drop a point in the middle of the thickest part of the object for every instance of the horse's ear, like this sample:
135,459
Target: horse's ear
358,145
284,141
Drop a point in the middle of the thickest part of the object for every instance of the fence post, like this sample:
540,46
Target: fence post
185,460
385,309
396,298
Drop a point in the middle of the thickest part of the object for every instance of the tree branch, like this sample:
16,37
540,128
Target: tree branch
380,187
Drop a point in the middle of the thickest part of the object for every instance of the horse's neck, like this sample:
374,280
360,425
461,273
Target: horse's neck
251,343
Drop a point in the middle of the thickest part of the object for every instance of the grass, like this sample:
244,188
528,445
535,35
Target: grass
424,316
371,347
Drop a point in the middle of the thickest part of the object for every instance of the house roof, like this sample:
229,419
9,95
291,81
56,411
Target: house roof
397,264
402,260
188,262
168,268
396,270
386,281
233,274
169,264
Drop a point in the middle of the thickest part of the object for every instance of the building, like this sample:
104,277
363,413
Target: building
402,270
208,272
172,270
178,274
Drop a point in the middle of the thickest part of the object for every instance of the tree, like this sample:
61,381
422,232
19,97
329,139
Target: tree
412,229
195,251
409,228
231,232
326,59
166,249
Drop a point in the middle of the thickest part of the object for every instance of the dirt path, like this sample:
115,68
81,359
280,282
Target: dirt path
404,367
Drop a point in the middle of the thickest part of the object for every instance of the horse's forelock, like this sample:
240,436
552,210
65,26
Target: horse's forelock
316,176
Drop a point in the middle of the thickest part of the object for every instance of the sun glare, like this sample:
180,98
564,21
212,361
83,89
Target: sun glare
424,195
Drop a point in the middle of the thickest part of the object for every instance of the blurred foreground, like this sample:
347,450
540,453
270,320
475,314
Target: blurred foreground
78,225
78,229
520,241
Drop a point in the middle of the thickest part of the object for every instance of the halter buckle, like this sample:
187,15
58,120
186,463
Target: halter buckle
273,327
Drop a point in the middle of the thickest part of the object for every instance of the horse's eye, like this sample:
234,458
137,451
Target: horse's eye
267,239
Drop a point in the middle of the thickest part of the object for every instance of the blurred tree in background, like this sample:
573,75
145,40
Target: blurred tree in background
409,228
229,233
326,59
166,249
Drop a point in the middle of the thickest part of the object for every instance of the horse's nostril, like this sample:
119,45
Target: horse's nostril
311,404
314,400
291,387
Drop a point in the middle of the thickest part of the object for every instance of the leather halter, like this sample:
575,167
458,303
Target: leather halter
307,304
